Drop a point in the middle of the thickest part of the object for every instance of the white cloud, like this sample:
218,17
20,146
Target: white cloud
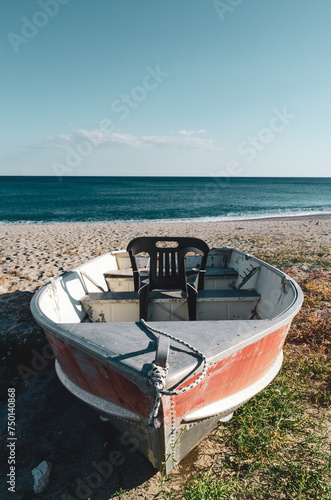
192,132
181,142
184,139
186,132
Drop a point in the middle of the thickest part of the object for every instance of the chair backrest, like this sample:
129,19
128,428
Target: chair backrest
167,265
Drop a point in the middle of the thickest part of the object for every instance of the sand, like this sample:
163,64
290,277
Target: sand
31,254
51,424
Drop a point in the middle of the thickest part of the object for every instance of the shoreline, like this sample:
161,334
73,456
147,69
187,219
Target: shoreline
204,220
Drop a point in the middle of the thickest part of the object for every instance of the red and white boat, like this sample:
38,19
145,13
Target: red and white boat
168,337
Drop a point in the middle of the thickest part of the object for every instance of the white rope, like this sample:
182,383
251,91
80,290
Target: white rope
158,375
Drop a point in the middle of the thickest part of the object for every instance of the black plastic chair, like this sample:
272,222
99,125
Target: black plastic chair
167,268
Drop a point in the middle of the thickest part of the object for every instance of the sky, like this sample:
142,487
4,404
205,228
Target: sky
189,87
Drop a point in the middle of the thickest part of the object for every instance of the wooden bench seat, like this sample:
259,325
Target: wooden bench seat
227,295
221,272
170,305
120,280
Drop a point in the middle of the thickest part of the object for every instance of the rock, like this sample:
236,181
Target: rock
41,475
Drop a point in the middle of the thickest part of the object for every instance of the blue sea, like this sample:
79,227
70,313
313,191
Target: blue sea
26,200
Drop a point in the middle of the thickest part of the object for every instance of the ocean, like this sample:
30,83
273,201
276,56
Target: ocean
26,200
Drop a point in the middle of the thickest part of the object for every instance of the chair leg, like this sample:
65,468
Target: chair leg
143,301
191,302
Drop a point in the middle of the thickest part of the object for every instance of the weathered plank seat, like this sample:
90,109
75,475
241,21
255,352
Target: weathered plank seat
170,305
227,295
222,272
121,280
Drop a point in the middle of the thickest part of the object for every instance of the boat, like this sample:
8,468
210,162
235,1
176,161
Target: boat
168,337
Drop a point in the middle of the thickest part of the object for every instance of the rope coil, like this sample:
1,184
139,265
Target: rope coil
158,375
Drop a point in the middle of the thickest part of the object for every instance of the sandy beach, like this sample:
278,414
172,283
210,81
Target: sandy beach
31,254
51,424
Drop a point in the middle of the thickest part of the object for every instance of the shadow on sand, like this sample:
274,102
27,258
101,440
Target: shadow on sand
90,459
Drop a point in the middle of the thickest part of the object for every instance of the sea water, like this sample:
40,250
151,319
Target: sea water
26,200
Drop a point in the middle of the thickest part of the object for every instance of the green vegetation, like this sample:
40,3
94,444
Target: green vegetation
118,494
276,446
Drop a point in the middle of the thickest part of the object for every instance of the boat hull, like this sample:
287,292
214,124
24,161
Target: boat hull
185,418
246,311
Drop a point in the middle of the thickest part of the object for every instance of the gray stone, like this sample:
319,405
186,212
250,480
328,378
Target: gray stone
41,475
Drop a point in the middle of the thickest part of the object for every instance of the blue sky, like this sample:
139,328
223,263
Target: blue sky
189,87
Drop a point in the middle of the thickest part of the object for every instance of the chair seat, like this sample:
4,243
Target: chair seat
167,268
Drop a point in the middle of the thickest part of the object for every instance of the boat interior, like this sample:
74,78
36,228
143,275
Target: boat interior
169,279
99,306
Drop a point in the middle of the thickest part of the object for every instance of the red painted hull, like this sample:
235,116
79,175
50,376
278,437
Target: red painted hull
225,378
99,379
233,374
